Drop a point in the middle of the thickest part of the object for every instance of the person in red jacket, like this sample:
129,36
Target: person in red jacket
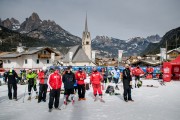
43,77
54,83
96,79
149,71
80,77
137,72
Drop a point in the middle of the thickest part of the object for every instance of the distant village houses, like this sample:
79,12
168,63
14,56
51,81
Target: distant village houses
29,58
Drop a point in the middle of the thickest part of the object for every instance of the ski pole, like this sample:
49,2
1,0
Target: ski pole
24,94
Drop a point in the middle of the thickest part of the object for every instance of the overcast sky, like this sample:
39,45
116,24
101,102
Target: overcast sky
121,19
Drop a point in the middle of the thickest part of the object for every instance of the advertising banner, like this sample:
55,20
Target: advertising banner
120,52
167,73
163,54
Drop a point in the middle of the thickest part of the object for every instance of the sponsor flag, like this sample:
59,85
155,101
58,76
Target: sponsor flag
120,52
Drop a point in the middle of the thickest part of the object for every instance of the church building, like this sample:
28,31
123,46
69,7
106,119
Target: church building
81,55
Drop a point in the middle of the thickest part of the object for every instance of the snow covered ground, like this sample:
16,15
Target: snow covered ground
162,103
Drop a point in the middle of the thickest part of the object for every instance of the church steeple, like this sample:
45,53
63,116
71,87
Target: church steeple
86,26
86,40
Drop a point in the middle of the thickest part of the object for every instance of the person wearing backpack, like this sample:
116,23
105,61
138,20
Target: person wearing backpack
12,77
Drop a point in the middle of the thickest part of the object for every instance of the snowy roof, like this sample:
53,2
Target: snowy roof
78,55
30,51
176,49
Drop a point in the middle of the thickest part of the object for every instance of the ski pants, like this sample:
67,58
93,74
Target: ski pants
42,92
81,91
97,89
30,88
127,93
14,86
105,80
116,80
137,78
54,95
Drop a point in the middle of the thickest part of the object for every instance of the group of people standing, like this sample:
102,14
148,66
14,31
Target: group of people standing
54,80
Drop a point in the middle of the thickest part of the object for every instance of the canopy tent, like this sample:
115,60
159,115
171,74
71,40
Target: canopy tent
176,61
171,70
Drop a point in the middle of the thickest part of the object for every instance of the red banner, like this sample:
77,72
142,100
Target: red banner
176,72
167,71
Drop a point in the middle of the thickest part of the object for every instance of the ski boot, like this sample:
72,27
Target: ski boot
116,87
29,98
50,110
95,99
36,97
58,108
101,100
83,98
73,101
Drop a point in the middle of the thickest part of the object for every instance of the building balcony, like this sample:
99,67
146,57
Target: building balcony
44,56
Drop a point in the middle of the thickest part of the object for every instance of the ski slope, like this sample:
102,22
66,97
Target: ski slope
162,103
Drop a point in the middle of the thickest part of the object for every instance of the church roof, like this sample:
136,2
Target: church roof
78,55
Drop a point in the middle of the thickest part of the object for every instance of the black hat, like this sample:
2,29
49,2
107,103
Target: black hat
69,67
80,69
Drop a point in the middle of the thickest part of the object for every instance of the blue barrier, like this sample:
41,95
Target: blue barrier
109,68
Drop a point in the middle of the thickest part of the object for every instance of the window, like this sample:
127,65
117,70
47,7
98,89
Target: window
37,61
9,61
87,43
25,61
44,52
47,61
4,61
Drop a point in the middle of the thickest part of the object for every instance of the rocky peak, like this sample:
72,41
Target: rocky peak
31,23
14,21
34,17
154,38
7,23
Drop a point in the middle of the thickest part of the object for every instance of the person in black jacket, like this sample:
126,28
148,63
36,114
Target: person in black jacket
12,83
127,80
69,81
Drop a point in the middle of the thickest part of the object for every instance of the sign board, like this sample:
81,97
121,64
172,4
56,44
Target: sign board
120,52
163,54
167,73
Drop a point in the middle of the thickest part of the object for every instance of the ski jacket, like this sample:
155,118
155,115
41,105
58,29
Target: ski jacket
69,80
115,73
11,75
80,77
126,77
138,71
149,70
96,78
104,74
43,77
54,81
31,77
